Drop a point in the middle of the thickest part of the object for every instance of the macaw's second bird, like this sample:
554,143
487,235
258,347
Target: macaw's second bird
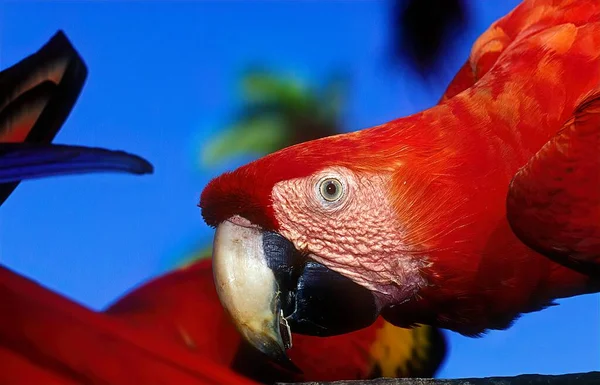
462,216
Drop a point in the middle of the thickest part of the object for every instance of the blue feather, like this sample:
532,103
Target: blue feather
20,161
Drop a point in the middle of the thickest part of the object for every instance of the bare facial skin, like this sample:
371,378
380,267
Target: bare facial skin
355,232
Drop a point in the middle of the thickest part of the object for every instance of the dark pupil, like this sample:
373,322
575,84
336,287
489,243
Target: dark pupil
331,189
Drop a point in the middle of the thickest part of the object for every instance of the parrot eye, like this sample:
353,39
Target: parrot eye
331,189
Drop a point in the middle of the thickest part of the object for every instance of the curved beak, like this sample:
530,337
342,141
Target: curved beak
270,289
248,290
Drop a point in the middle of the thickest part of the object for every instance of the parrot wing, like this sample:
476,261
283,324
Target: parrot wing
48,338
183,305
20,161
36,96
23,372
493,42
38,93
553,204
484,53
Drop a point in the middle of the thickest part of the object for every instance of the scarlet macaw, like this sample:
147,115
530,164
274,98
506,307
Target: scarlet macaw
171,330
45,338
462,216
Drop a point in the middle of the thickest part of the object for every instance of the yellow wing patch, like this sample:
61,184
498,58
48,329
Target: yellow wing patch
400,352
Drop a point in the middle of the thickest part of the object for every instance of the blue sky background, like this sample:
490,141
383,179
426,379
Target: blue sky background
163,77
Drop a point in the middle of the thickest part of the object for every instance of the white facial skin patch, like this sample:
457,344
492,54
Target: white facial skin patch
357,235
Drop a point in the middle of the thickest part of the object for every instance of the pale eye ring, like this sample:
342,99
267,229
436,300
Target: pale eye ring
331,189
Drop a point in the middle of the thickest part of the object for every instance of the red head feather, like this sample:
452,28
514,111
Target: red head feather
247,191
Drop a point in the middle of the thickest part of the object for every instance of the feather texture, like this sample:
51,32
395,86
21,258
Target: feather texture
449,170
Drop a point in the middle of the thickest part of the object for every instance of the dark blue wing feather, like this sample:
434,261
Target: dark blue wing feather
20,161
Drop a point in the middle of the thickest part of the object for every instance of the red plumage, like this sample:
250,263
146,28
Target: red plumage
448,171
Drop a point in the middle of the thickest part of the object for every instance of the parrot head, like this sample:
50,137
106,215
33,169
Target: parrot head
308,239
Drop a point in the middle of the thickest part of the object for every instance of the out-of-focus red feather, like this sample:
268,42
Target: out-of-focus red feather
18,369
174,330
61,339
183,305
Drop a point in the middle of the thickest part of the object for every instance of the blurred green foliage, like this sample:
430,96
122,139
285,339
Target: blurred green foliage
278,111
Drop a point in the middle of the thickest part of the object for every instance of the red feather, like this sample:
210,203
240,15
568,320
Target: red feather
451,167
60,339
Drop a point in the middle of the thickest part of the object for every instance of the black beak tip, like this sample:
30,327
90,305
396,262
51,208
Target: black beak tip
287,364
275,352
277,355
